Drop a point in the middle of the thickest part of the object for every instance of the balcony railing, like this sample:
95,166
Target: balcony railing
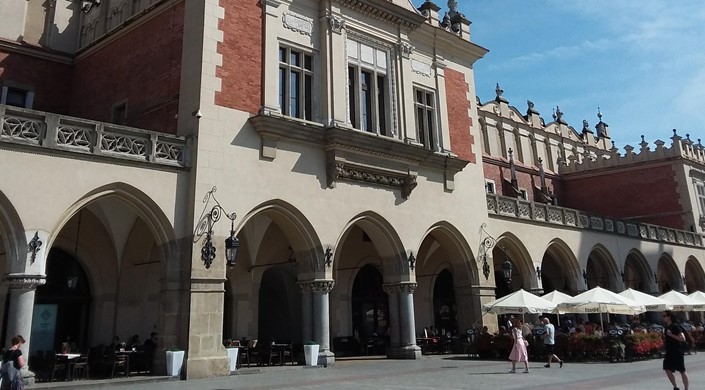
555,215
29,128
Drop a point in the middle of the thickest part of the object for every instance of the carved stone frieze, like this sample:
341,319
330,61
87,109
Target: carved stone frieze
385,11
398,288
421,68
314,286
298,23
25,282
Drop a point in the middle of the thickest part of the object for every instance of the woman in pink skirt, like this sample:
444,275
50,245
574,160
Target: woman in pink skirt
518,353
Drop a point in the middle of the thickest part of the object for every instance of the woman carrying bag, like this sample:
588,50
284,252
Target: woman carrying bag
519,353
12,362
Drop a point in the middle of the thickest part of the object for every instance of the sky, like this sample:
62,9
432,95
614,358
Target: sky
641,62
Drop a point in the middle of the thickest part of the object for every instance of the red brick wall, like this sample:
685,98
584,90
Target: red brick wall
647,190
241,72
459,121
143,66
51,80
502,177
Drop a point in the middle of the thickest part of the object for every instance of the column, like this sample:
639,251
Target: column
19,316
408,348
307,314
392,291
320,290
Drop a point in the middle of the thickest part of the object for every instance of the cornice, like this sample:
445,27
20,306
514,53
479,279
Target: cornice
37,52
385,11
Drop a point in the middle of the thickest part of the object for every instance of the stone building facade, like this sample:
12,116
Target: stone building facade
346,144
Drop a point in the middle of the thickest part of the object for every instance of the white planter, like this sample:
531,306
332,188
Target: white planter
174,361
232,354
311,354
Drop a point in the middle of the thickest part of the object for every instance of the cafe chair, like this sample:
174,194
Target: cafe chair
58,364
116,363
80,366
250,352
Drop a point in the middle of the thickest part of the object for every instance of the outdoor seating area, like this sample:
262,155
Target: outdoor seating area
98,362
253,352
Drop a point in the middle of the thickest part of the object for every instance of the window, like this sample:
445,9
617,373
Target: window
16,96
295,83
700,190
523,194
424,103
119,113
489,186
368,86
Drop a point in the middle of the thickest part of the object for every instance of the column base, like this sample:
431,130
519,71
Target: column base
207,367
27,376
410,352
326,358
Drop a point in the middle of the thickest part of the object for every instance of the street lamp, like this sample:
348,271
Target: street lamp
232,244
507,269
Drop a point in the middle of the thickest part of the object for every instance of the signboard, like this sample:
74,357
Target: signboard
43,328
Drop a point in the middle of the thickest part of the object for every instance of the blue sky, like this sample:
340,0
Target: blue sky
642,62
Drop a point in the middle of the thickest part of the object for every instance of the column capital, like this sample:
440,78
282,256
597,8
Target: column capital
397,288
323,285
25,282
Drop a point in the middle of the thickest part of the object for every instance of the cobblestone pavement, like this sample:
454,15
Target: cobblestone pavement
429,372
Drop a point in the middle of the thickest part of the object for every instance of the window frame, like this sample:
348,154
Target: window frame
9,86
430,131
305,84
380,112
700,185
490,186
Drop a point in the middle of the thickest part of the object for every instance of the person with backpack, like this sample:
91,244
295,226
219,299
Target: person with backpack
12,362
674,337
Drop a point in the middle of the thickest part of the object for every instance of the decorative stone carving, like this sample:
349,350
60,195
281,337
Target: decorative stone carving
421,68
399,288
25,282
298,23
336,24
405,49
33,246
317,286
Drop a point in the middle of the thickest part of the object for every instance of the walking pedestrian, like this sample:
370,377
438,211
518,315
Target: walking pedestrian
549,340
674,337
519,353
12,362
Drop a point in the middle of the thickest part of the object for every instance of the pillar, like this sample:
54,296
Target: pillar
394,323
19,317
407,348
316,301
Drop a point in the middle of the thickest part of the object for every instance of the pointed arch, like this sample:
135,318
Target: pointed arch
523,273
449,237
12,234
669,275
601,268
559,267
637,273
694,275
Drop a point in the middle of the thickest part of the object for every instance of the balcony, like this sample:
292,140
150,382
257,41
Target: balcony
544,214
49,133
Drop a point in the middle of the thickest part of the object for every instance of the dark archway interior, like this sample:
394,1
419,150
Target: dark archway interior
370,304
62,305
444,307
279,306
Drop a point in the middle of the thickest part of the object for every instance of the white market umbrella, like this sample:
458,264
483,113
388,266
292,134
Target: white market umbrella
682,302
599,300
650,302
520,302
557,297
698,296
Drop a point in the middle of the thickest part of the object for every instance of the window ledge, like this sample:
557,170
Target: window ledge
354,155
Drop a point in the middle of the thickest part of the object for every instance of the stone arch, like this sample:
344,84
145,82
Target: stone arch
444,249
694,275
273,235
510,247
12,238
559,268
637,273
385,240
601,269
296,228
668,274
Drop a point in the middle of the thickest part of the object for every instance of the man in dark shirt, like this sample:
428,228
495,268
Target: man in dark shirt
673,339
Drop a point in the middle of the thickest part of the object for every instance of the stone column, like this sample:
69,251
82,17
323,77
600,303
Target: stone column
392,291
319,291
406,313
307,314
19,317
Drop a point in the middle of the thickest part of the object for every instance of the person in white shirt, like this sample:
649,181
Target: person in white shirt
549,341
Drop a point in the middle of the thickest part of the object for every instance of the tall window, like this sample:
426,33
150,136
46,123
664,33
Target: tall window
368,86
18,97
295,83
424,103
700,190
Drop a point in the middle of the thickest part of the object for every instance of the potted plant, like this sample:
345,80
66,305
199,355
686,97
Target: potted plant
174,361
311,353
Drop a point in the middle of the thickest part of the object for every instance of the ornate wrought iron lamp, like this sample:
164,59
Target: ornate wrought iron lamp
507,268
205,226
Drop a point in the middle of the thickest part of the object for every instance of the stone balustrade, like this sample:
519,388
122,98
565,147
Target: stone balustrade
562,216
22,127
